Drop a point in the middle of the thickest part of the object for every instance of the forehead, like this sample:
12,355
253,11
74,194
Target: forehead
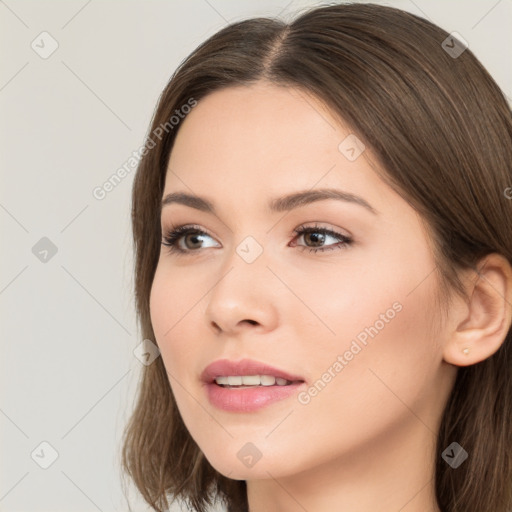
242,100
257,128
260,141
254,115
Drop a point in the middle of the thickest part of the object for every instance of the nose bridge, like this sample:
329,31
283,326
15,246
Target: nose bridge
244,288
246,261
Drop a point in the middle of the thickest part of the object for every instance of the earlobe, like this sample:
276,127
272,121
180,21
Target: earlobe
481,326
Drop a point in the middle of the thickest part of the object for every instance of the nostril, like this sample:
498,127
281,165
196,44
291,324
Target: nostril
218,328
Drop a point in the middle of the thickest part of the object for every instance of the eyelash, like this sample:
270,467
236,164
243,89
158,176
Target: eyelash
173,237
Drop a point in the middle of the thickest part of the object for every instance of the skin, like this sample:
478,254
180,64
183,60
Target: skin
366,441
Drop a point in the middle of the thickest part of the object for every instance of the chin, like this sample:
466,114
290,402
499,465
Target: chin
244,461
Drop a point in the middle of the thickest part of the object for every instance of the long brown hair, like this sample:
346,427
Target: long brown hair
441,130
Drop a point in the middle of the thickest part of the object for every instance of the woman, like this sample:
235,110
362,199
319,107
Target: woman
323,257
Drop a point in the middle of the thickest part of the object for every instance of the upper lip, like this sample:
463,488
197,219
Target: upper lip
226,367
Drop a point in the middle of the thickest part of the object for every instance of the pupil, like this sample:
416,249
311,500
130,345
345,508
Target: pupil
194,235
319,237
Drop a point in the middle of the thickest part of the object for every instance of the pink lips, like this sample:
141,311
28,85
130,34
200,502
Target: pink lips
246,399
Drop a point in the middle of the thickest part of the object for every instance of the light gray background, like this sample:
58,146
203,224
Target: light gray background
68,122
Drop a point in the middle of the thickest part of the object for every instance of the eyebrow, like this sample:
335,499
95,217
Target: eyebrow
280,204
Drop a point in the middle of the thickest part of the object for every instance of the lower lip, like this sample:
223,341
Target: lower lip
249,399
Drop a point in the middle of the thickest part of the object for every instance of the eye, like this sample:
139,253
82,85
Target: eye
190,235
188,239
318,236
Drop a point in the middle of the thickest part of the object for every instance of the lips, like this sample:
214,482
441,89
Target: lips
275,385
244,367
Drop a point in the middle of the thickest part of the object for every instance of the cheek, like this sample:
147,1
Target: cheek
171,310
384,353
389,351
170,304
366,302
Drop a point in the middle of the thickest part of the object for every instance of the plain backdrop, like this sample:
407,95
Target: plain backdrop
68,121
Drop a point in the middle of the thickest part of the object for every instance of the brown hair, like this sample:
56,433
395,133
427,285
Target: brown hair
442,131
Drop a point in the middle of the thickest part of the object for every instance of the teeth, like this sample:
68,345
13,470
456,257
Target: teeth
267,380
251,380
235,381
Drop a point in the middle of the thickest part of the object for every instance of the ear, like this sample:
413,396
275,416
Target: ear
481,324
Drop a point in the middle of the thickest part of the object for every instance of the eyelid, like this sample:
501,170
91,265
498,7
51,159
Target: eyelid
324,226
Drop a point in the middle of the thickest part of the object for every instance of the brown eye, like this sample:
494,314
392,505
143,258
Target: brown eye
316,237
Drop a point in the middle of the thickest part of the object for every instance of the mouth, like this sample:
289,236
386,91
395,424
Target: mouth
246,385
251,381
247,372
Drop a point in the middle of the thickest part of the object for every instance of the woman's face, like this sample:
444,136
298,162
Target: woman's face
351,323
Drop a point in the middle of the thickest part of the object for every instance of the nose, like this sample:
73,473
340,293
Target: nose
243,298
